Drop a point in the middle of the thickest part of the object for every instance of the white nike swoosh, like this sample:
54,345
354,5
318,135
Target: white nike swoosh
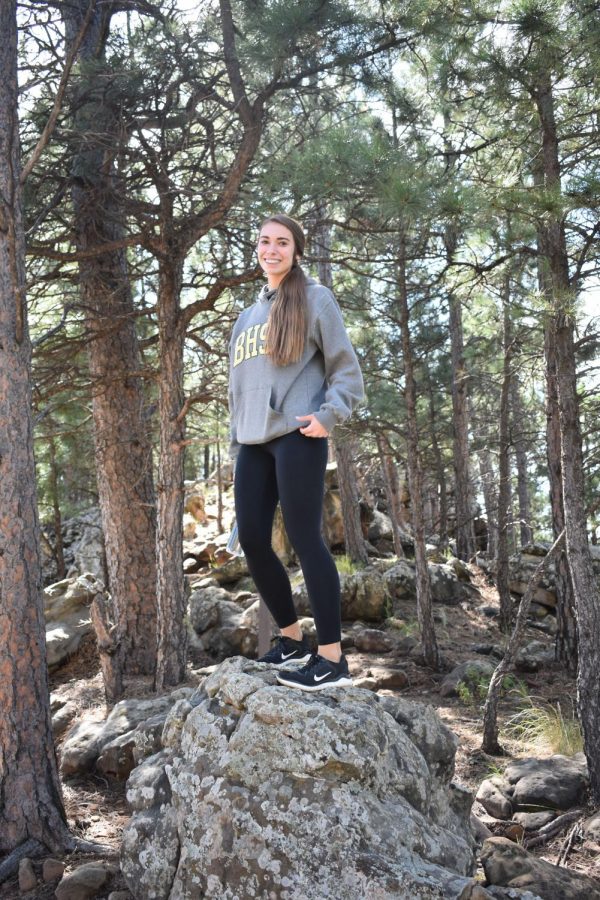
321,677
287,655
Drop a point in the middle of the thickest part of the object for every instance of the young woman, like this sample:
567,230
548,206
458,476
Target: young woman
293,376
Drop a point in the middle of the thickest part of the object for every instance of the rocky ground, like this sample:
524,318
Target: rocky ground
96,804
383,656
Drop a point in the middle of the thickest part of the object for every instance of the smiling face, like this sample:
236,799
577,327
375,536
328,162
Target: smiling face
276,252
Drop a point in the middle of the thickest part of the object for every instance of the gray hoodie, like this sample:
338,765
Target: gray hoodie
264,398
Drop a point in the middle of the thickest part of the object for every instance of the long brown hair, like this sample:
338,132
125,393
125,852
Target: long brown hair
287,323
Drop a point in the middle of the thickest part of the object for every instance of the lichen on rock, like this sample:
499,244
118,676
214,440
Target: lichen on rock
275,792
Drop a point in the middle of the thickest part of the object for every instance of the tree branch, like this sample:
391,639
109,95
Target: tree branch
52,119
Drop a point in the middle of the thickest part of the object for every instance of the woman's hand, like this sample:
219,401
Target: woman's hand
314,428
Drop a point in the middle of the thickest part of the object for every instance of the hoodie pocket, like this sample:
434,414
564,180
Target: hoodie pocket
258,421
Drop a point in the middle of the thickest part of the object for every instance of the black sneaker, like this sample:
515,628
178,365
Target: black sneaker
286,650
317,674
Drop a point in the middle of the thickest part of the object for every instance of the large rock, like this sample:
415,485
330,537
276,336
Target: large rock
84,544
222,626
276,793
67,610
474,675
449,582
506,863
86,741
558,782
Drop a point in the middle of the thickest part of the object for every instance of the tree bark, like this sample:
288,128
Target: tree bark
566,647
123,451
490,499
59,550
585,586
345,453
465,533
520,448
392,490
504,505
440,470
172,601
31,805
415,476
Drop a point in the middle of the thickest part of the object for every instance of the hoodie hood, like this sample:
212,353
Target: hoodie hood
267,294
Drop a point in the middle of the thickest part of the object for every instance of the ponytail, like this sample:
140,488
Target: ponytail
287,323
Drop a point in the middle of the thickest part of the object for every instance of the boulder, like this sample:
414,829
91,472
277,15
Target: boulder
508,864
83,544
449,582
86,741
377,678
446,585
364,596
559,782
222,626
372,640
67,611
534,656
492,795
278,793
474,674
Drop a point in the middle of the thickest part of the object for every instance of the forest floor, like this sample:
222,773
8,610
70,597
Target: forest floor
97,810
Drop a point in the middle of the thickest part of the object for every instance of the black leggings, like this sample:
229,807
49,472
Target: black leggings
290,469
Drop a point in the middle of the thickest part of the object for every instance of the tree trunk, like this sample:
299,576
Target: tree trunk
490,742
415,477
490,499
520,446
172,601
31,804
585,586
345,453
122,447
465,534
566,648
440,471
59,549
392,490
504,506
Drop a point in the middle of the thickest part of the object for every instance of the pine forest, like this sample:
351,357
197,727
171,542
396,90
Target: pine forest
443,160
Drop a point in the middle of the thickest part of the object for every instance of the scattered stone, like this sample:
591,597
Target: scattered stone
531,821
559,782
493,798
490,612
591,827
85,881
52,869
372,640
508,864
27,877
120,895
379,678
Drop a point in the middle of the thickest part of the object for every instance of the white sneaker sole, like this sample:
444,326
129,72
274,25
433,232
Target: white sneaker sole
299,661
345,681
